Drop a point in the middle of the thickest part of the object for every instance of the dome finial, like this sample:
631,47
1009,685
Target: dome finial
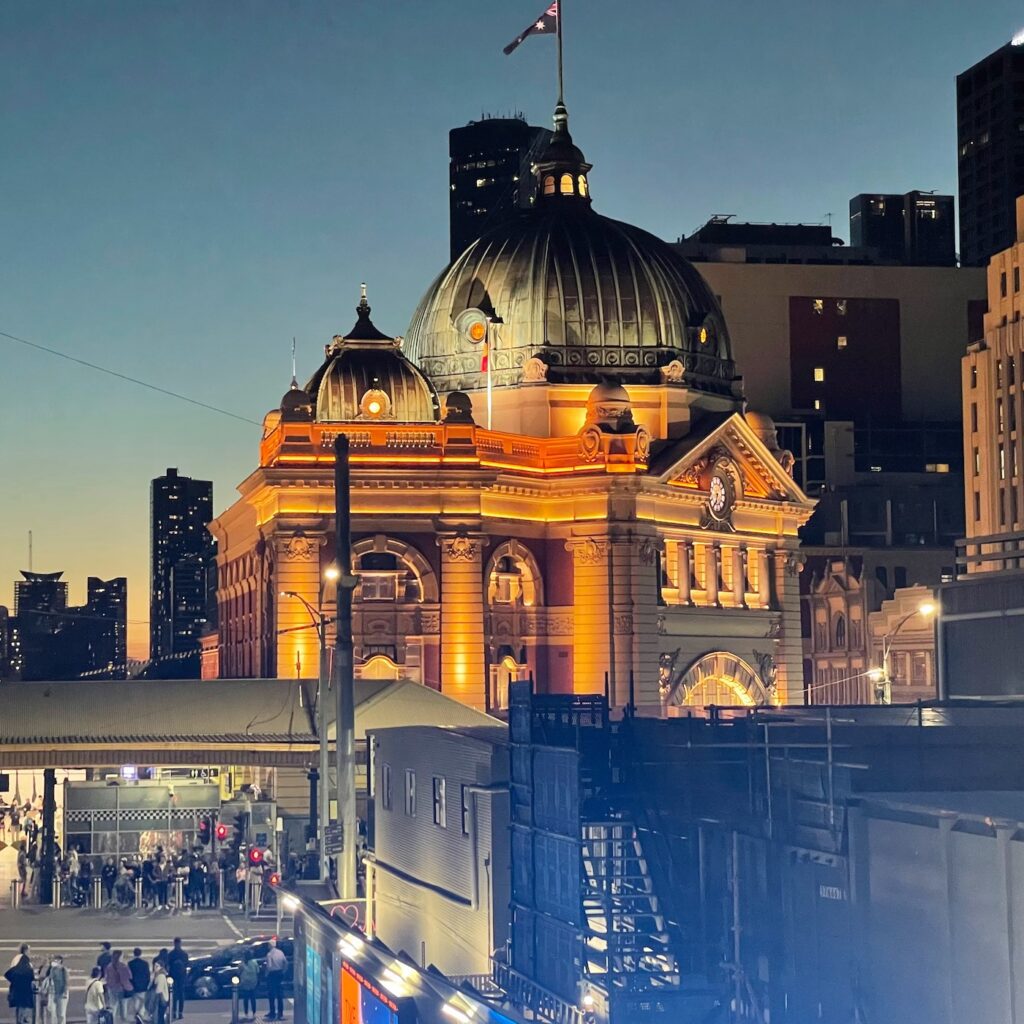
295,381
363,309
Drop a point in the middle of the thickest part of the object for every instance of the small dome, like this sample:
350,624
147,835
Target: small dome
366,377
296,404
764,427
609,408
458,408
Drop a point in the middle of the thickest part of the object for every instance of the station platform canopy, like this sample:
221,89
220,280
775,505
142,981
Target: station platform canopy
268,722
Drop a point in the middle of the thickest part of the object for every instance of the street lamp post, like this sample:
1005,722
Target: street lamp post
320,622
883,682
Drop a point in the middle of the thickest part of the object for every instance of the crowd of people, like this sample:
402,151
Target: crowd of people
119,991
135,991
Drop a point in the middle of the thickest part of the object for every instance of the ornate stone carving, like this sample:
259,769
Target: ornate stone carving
559,625
666,666
767,671
774,630
462,549
590,444
534,370
787,460
647,551
430,622
299,547
623,622
672,373
660,624
794,564
694,473
643,444
588,551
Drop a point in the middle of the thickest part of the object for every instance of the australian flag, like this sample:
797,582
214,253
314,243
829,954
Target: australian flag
547,22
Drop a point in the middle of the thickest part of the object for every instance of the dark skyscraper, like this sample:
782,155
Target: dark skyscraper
990,141
183,556
915,229
107,611
490,175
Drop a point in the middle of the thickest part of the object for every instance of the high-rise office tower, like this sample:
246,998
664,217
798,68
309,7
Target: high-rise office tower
107,612
489,174
990,142
915,229
182,556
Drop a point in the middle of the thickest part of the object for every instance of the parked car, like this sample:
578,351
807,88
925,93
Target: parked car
209,977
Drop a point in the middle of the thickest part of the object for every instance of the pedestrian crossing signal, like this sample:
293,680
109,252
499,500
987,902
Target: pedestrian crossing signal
222,832
255,855
205,831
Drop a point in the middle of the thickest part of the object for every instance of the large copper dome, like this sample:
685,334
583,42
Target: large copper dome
590,297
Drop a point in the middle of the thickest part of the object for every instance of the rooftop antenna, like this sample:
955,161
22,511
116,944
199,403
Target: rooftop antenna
295,382
558,28
29,550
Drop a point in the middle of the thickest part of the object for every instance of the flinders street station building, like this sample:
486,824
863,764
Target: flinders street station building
554,476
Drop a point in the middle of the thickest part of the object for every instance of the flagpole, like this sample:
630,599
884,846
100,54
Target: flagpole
558,27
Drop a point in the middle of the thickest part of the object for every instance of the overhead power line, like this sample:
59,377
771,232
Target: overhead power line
125,377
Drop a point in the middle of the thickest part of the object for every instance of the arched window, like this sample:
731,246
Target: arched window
549,185
565,186
840,631
513,577
582,182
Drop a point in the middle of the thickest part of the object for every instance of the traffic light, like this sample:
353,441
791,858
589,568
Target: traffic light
221,832
205,832
255,855
275,878
241,827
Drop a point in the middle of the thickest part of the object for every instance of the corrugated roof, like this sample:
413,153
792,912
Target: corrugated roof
213,710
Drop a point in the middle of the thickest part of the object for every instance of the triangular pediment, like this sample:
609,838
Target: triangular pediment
763,476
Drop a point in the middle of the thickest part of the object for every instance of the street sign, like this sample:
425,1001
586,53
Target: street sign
333,838
204,773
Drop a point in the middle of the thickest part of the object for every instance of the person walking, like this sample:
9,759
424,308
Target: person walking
158,995
140,981
248,982
95,998
108,876
103,960
118,980
161,877
21,998
53,986
276,966
177,968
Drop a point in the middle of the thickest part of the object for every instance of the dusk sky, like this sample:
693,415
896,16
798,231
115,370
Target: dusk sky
188,185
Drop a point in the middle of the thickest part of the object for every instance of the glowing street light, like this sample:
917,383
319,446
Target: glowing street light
883,679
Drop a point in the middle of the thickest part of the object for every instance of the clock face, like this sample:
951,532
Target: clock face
718,495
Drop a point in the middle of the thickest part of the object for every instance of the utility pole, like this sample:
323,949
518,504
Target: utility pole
344,674
49,844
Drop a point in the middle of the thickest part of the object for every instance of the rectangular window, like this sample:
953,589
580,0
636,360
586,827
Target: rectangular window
1016,279
385,786
1002,507
819,374
1000,416
977,461
1002,463
1013,412
1014,510
977,507
1002,284
974,416
410,792
440,803
1011,371
974,376
999,373
1013,460
465,810
841,341
817,405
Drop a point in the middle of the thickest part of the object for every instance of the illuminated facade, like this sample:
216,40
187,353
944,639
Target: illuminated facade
621,523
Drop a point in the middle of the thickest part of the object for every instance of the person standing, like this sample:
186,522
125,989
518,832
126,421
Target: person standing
158,996
118,980
103,960
21,997
276,966
108,876
95,999
177,968
248,982
54,987
140,981
23,950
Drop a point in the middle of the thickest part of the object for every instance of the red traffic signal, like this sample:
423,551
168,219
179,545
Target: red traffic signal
275,878
255,855
222,831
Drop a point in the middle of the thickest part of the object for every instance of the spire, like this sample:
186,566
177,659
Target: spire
364,329
295,381
562,168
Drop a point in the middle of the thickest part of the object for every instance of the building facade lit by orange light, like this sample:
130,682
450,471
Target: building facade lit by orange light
589,504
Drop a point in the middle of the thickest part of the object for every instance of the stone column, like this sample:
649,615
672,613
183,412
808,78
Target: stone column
764,578
463,656
739,575
684,570
789,649
711,553
297,570
592,642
